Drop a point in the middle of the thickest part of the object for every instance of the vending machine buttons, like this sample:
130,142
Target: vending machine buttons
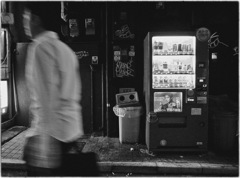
204,87
202,80
202,124
196,111
163,142
94,59
190,100
201,65
202,100
117,53
190,92
202,93
199,143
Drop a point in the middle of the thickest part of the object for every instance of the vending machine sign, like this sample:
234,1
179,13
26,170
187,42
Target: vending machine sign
168,102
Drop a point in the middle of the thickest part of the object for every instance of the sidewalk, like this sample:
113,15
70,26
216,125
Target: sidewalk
116,159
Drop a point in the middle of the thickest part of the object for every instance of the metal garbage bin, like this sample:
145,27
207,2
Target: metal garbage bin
129,122
223,124
224,130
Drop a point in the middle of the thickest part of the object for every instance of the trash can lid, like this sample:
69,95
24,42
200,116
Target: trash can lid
129,105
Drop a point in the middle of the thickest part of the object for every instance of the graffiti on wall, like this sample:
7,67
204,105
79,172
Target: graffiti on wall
236,51
214,41
124,61
82,54
124,33
124,69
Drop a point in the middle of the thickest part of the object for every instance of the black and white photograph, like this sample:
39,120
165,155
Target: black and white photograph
127,88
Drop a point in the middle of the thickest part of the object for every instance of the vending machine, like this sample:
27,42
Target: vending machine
176,91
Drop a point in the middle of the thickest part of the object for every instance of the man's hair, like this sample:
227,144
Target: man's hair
48,12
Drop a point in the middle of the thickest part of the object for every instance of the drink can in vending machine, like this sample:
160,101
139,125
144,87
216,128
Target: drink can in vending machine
184,48
189,48
175,48
160,45
179,48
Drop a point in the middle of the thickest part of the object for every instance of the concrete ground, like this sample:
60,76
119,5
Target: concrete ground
116,159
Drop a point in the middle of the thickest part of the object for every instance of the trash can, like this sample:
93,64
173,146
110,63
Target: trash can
129,122
223,124
224,131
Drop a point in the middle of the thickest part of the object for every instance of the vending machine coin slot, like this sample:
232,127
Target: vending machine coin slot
202,100
204,87
190,92
172,122
201,65
190,100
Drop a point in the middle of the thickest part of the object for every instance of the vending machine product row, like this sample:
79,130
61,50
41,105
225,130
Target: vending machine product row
176,91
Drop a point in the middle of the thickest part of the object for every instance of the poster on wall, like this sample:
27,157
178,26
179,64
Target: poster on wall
168,102
124,61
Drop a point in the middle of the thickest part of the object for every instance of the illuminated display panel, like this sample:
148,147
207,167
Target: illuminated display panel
173,62
168,101
3,44
4,94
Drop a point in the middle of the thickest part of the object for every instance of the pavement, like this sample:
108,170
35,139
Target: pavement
116,159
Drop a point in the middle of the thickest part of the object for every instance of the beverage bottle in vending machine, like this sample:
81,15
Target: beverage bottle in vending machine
179,81
165,80
155,81
160,47
155,48
189,69
184,81
189,49
165,48
155,68
185,69
161,81
175,83
170,67
170,49
160,67
179,49
184,48
179,67
170,81
175,48
165,66
175,67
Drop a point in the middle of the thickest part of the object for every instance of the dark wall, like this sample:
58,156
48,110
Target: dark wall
22,91
221,18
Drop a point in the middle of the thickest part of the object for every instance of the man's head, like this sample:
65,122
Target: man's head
167,98
40,16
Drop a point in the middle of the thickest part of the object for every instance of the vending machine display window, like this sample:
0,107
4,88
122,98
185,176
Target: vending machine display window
168,101
4,96
173,62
